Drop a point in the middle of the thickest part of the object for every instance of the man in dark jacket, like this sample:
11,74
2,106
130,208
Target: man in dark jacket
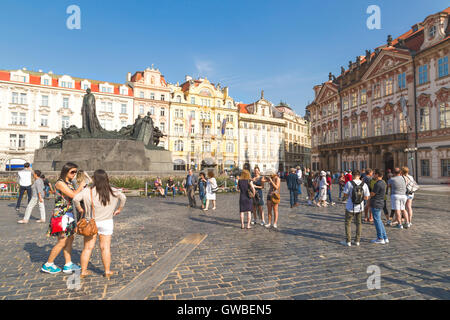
292,184
191,186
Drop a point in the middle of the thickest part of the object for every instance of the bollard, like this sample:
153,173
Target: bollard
146,193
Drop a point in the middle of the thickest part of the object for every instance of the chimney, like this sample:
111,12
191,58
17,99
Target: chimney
187,78
129,76
317,89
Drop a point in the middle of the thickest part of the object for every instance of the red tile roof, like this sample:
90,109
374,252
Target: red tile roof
243,108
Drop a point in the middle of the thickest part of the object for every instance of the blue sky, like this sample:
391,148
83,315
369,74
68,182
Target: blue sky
281,47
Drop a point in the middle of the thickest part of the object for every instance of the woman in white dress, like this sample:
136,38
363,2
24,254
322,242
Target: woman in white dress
211,186
408,206
323,190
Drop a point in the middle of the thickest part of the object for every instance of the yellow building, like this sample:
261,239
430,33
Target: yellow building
203,126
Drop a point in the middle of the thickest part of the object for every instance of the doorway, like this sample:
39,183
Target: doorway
388,160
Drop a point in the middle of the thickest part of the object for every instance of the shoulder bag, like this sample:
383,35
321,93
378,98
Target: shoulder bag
84,228
250,193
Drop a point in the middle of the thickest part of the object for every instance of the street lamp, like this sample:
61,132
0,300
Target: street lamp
411,152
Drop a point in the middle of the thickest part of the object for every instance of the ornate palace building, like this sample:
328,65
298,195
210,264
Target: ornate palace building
390,107
203,127
152,95
297,138
260,136
36,105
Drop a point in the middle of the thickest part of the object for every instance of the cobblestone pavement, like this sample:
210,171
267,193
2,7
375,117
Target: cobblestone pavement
302,260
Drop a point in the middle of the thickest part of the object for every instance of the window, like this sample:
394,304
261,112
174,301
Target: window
13,141
388,86
192,115
354,129
15,97
65,122
46,82
123,123
179,145
152,110
423,74
425,168
206,146
354,99
178,113
141,109
207,129
324,113
124,91
179,128
123,108
21,142
401,80
85,86
364,129
445,167
163,97
23,98
14,117
443,67
229,104
346,132
376,91
109,107
43,141
179,99
192,128
192,100
432,32
192,146
218,117
44,121
163,112
424,119
388,124
230,147
65,103
152,96
377,126
345,104
444,115
44,102
141,94
23,119
162,126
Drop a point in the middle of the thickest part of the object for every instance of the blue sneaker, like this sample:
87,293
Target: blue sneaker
53,269
71,268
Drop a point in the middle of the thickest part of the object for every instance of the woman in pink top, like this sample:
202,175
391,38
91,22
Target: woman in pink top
107,203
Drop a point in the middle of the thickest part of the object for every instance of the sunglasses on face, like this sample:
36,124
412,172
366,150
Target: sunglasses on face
73,172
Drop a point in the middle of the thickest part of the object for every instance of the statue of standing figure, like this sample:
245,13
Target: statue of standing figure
89,114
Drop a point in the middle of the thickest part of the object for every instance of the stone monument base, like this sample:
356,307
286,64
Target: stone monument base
106,154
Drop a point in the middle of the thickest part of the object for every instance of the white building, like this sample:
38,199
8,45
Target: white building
36,105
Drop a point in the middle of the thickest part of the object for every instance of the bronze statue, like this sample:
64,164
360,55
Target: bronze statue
89,114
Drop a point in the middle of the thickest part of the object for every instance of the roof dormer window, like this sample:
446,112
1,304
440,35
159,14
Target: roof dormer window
432,32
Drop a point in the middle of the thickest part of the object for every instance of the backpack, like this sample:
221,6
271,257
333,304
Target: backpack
411,186
357,193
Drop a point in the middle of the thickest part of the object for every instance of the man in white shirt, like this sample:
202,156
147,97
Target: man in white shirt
300,181
356,191
24,180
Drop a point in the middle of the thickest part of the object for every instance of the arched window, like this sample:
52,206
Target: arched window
402,125
230,147
424,119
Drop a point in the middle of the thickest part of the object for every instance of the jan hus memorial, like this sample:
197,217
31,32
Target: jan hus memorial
132,148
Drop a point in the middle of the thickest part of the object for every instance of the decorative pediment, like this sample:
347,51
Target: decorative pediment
18,108
443,95
354,116
44,109
326,92
66,112
424,100
387,61
388,108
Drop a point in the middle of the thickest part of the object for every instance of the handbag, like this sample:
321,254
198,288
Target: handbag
275,198
56,225
411,186
84,228
250,193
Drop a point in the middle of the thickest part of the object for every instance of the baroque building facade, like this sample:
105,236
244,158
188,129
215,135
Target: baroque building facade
204,126
297,138
389,108
152,95
36,105
261,136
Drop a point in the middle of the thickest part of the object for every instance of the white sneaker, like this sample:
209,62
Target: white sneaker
267,225
275,226
253,222
377,241
263,223
357,244
347,244
386,241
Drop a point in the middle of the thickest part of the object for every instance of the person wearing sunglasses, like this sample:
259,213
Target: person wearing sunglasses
63,213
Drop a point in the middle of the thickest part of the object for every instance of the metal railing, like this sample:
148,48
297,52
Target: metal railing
9,190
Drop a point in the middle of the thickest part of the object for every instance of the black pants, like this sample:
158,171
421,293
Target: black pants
21,192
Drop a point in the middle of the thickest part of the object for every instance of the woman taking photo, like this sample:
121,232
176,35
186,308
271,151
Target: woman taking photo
63,216
273,198
211,188
245,202
258,201
106,202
